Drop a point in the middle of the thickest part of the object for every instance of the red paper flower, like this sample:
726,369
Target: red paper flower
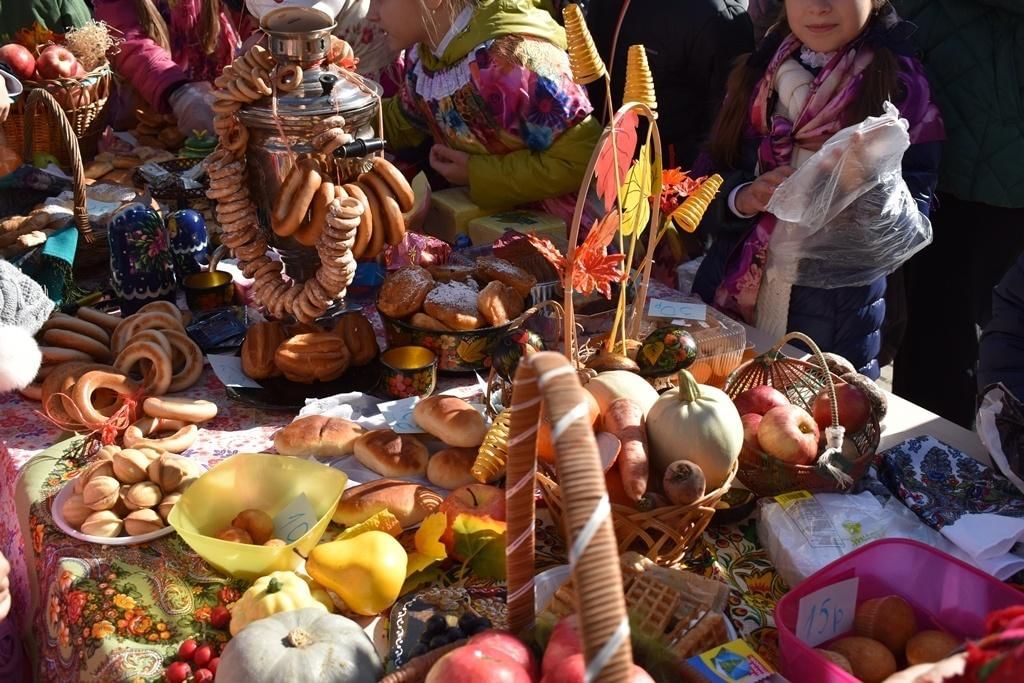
676,185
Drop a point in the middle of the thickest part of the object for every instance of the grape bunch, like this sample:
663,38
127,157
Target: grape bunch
444,629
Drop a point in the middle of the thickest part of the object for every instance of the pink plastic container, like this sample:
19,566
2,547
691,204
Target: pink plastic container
945,593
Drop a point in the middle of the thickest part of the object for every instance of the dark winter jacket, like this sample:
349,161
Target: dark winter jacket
691,47
1001,353
973,51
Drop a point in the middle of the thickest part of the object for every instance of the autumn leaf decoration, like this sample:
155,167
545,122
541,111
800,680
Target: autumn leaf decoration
593,268
621,154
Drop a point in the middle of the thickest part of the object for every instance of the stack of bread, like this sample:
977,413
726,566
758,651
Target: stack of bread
456,298
306,353
127,492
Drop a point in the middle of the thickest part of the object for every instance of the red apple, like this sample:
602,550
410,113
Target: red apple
57,62
790,434
481,500
751,451
471,664
565,640
508,646
854,408
760,400
20,59
572,668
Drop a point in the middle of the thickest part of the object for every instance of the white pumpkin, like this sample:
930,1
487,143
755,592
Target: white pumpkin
694,422
615,384
307,645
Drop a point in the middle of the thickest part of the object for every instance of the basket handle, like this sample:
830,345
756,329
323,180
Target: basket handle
38,97
594,555
831,460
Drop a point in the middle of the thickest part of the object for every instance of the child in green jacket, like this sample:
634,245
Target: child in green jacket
489,82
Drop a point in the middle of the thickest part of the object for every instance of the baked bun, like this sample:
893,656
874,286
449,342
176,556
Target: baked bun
452,420
307,358
450,468
319,436
447,273
403,291
359,338
925,647
261,342
392,455
425,322
490,268
409,502
454,304
499,303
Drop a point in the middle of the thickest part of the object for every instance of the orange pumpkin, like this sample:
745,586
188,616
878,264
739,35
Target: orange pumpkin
546,447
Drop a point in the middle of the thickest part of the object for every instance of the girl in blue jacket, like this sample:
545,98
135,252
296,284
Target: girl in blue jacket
826,65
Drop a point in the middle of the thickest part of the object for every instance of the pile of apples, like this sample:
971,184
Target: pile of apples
787,432
500,657
55,61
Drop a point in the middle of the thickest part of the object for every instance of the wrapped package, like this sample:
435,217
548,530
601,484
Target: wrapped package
846,216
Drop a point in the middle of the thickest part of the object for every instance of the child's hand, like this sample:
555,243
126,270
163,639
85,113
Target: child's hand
754,198
5,585
450,163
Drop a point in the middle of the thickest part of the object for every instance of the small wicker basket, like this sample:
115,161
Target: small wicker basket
83,101
801,382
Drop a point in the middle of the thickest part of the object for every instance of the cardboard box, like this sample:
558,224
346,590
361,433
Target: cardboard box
450,212
487,229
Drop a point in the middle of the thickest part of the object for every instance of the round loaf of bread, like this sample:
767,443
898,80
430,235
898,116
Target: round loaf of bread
392,455
452,420
319,436
450,468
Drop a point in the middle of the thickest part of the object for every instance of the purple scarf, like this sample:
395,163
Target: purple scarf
832,91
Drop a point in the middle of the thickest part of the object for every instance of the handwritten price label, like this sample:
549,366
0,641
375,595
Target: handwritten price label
295,520
661,308
827,613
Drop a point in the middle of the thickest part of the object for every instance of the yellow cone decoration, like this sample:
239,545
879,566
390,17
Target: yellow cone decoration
689,213
492,457
639,82
584,61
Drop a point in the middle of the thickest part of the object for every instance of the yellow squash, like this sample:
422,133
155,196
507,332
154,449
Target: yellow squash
271,594
366,571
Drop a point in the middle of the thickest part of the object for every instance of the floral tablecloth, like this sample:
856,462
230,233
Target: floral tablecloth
115,613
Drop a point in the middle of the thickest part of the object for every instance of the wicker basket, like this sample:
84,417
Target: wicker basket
593,556
663,535
84,103
801,382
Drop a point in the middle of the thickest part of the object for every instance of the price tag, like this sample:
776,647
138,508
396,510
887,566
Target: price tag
229,371
827,613
295,520
662,308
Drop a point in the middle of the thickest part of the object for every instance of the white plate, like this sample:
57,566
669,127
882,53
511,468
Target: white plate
62,524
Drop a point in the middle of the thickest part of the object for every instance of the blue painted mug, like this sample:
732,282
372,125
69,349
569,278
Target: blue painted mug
141,260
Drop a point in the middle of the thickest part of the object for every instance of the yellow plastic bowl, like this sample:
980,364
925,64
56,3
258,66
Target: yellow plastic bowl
260,481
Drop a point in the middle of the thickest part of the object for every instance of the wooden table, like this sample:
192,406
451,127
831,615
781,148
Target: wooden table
904,419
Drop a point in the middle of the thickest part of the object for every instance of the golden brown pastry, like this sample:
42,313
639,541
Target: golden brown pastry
261,342
447,273
425,322
452,420
499,303
454,304
392,455
404,291
358,335
490,268
450,468
307,358
319,436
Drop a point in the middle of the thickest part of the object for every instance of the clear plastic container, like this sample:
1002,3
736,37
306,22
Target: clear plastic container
946,594
721,342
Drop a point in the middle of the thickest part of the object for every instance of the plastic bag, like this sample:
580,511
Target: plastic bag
846,216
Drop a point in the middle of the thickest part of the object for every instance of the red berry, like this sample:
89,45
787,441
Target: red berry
203,655
212,666
178,672
203,676
187,649
220,617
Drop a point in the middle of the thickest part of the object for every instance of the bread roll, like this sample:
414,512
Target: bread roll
319,436
392,455
409,503
450,468
452,420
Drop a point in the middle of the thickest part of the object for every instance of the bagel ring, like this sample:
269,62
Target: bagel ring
97,317
154,320
62,321
394,221
365,231
161,305
396,182
193,366
157,378
158,337
77,341
60,382
142,434
91,382
288,77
